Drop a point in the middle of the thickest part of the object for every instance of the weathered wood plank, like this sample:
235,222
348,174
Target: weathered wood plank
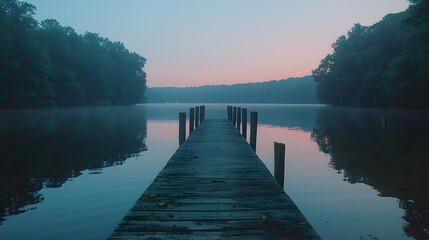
214,187
188,216
226,234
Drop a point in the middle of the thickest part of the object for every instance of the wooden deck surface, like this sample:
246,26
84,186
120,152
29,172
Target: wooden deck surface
214,187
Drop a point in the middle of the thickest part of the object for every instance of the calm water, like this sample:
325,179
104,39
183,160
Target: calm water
74,173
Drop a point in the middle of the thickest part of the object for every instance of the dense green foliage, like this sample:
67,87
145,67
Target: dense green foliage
292,90
45,64
384,65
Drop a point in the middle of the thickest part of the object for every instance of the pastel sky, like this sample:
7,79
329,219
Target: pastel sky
200,42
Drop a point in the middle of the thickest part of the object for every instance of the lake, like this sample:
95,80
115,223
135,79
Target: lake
73,173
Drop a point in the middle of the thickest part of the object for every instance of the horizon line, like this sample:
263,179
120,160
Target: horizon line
206,85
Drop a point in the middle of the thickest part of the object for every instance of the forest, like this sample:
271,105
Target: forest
291,90
383,65
43,64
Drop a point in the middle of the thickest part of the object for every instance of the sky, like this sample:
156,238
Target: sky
202,42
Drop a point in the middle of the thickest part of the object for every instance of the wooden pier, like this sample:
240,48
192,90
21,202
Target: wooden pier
214,187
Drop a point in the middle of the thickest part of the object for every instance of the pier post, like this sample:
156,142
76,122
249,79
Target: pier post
191,120
197,116
230,113
182,128
238,118
202,113
234,115
227,112
244,125
253,129
279,162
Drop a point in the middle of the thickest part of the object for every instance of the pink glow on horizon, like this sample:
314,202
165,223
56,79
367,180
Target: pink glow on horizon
301,73
261,66
269,61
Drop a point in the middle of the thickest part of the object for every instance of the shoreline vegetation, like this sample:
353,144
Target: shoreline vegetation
383,65
292,90
43,64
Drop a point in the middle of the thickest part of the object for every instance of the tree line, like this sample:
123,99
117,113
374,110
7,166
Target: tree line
291,90
383,65
44,64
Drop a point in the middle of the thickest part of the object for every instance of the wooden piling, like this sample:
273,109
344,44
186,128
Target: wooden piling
234,115
238,118
230,113
182,128
253,129
279,162
227,112
191,120
197,116
202,113
244,120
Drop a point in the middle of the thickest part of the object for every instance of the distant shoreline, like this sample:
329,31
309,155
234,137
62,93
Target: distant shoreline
292,91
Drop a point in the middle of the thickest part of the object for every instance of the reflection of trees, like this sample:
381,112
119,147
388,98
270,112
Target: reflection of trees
44,148
392,160
417,216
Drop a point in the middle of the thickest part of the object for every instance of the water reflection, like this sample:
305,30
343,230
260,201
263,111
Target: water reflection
391,157
44,148
288,115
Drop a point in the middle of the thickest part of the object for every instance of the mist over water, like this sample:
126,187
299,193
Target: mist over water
75,172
